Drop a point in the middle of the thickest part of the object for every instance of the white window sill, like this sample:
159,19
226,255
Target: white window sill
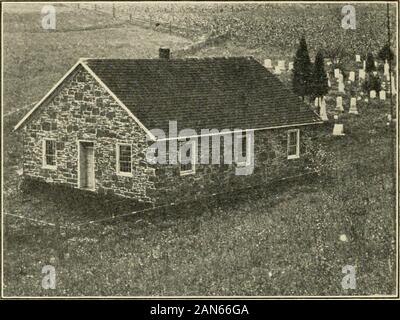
49,167
125,174
186,173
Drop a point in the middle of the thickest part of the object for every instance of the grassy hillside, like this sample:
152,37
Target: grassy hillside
34,59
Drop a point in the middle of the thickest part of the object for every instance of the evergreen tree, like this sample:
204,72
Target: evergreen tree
386,53
372,83
370,63
302,70
319,78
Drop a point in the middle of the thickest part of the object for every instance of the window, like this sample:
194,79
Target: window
187,157
293,144
49,154
124,159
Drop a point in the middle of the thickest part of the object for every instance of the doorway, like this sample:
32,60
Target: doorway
86,165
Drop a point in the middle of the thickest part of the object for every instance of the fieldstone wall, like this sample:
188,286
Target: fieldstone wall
83,110
271,164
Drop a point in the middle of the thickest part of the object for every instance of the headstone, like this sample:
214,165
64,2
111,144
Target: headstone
361,74
329,83
358,98
374,73
316,102
364,65
337,73
366,99
353,106
338,129
382,95
290,66
339,103
358,58
336,117
376,64
268,63
340,79
322,110
341,87
352,76
281,65
386,71
393,86
372,94
277,70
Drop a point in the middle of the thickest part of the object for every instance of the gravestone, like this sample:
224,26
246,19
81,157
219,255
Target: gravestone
374,73
353,106
268,63
338,129
372,94
341,87
316,102
281,65
339,104
361,74
358,58
277,70
352,76
329,83
322,110
386,71
290,66
393,86
337,73
382,95
364,65
340,78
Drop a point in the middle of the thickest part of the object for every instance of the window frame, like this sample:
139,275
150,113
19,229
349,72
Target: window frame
193,162
297,155
118,169
45,165
247,162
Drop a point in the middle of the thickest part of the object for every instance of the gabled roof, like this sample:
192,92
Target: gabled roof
207,93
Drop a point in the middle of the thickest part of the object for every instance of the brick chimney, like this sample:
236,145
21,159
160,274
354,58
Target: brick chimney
164,53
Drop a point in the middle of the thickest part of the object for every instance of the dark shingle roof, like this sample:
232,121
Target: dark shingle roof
206,93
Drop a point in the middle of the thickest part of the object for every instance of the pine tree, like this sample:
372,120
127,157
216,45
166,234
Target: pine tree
319,78
370,63
302,71
386,54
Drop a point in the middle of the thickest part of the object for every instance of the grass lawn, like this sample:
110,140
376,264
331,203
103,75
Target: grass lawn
274,240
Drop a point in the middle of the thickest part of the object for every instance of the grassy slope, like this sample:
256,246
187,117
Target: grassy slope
270,241
34,61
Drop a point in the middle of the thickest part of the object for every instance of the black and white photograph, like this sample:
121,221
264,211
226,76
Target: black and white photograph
196,149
